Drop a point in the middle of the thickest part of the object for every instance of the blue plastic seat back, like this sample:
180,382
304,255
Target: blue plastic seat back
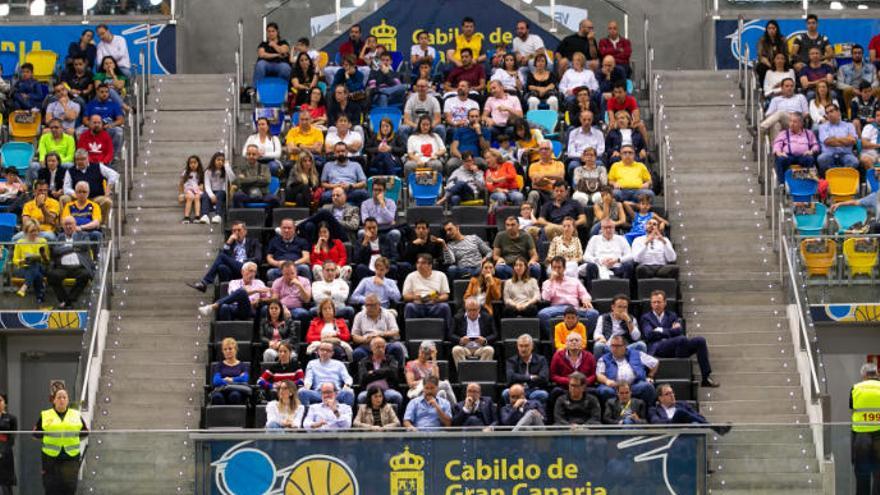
814,223
378,113
9,63
18,155
871,177
424,194
557,148
7,226
801,190
396,60
272,91
546,120
848,215
274,186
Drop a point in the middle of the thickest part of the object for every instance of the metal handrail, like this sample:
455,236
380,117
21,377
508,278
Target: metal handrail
739,62
239,72
804,338
84,388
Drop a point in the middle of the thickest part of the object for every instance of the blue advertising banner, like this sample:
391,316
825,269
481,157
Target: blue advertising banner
396,24
23,39
839,31
858,313
538,463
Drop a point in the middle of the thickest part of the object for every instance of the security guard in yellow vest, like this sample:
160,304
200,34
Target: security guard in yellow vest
865,403
60,430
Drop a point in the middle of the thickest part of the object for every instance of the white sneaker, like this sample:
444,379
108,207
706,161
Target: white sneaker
204,219
207,310
216,219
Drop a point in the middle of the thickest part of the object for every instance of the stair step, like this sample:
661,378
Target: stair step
723,363
754,407
750,435
778,481
736,391
761,419
757,466
746,349
168,371
760,338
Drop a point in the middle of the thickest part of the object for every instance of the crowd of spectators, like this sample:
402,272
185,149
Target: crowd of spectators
351,286
64,197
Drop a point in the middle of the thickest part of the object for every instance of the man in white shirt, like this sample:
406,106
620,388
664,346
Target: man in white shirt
583,137
456,109
331,286
343,133
426,291
607,255
526,45
782,105
329,414
654,253
112,46
418,104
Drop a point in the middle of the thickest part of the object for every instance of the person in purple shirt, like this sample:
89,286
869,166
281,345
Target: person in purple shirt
384,210
837,138
814,72
794,146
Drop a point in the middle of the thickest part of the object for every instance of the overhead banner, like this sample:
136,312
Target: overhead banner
396,24
839,31
540,463
163,38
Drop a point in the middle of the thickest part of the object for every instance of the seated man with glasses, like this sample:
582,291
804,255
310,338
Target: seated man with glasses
629,178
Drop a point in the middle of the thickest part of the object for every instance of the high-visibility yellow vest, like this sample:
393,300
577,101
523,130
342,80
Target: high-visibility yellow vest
866,406
61,434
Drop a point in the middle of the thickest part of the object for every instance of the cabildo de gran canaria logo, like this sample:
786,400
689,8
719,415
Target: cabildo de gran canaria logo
248,471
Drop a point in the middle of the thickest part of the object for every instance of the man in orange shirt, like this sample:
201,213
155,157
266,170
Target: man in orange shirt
543,174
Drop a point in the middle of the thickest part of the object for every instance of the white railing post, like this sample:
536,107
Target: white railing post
240,71
626,26
173,12
266,22
338,29
747,75
552,16
739,62
149,51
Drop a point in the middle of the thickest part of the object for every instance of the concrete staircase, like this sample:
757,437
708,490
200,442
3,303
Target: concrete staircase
731,291
154,363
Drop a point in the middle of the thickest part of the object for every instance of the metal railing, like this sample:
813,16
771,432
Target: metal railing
86,386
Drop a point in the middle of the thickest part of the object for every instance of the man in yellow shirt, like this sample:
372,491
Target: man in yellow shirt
544,173
304,137
86,212
43,209
629,178
468,38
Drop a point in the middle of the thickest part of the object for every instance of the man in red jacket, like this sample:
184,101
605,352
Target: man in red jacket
568,360
618,47
97,142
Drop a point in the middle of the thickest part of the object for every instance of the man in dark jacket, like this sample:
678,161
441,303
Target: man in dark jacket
71,258
625,409
529,369
473,334
577,407
379,370
371,247
423,242
669,411
474,410
238,249
520,412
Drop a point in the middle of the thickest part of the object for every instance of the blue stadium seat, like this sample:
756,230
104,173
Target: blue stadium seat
396,60
546,120
423,194
848,215
18,155
274,186
393,192
801,190
812,224
8,223
378,113
272,91
9,63
274,115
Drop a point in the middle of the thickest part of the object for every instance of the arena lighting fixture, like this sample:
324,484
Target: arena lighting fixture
4,9
89,4
38,7
862,6
527,1
155,3
358,3
836,6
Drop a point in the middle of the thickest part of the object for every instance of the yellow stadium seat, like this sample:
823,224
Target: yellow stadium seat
44,64
860,254
323,59
24,125
819,256
843,183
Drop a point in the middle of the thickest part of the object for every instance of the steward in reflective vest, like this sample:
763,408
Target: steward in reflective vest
60,429
865,404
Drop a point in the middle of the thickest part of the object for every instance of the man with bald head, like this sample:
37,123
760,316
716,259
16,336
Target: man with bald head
70,259
583,41
618,47
475,410
520,412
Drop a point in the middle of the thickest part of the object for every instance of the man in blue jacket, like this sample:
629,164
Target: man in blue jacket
623,365
663,332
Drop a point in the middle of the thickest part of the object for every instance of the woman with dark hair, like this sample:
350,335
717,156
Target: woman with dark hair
527,140
8,422
109,73
328,248
218,176
326,327
521,292
302,181
83,48
276,328
780,71
376,413
384,149
53,174
304,78
286,368
317,108
268,145
541,85
508,75
424,148
60,429
770,43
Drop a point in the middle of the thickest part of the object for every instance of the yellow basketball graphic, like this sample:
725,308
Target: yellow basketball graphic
320,475
63,320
